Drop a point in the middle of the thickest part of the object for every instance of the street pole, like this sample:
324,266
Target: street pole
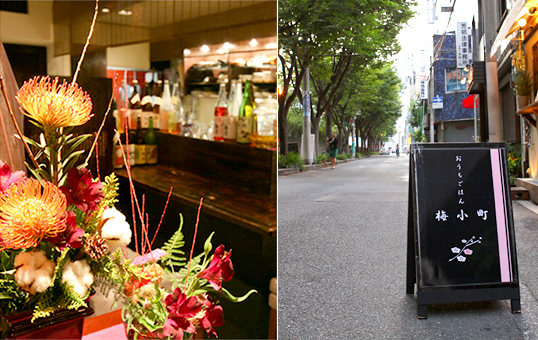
307,148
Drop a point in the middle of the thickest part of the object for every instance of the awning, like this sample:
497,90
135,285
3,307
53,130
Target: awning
467,103
509,26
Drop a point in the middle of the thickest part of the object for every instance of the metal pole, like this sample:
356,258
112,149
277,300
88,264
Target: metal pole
307,148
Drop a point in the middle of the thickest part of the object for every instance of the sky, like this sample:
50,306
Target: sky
416,39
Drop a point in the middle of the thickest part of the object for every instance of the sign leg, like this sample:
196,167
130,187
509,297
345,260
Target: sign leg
410,289
422,311
516,306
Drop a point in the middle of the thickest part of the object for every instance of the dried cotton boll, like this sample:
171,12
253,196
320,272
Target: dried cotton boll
147,292
116,232
78,274
33,271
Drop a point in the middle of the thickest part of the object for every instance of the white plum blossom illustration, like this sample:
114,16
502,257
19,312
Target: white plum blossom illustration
465,250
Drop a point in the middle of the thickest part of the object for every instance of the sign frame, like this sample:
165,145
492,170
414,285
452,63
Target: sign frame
453,290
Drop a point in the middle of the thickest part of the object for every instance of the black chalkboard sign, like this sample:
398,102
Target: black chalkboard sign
461,244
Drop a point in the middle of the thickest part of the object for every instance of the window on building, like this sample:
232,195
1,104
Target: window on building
454,78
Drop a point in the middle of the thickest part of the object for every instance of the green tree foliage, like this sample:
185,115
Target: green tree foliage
330,36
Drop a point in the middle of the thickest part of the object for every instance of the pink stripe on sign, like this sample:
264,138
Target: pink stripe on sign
498,194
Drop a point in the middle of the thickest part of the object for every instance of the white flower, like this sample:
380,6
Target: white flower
455,250
34,271
115,229
461,258
78,275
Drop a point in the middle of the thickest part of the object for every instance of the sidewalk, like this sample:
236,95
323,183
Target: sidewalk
292,171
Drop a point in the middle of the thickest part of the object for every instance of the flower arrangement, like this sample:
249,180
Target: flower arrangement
61,236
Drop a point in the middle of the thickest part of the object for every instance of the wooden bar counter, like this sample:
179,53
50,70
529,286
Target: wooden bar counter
238,184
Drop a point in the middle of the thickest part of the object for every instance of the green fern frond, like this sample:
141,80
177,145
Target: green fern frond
174,255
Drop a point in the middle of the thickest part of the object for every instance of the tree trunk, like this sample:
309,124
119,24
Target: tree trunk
282,131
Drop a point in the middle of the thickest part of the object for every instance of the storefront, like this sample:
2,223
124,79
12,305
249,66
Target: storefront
196,45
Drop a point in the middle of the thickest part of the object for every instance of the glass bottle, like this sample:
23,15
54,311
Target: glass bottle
166,108
132,146
230,122
244,121
118,156
147,107
157,103
151,144
221,111
140,147
176,120
135,108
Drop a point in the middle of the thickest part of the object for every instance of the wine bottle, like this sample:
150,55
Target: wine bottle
151,144
244,121
140,147
221,111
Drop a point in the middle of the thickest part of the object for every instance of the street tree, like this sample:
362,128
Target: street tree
337,29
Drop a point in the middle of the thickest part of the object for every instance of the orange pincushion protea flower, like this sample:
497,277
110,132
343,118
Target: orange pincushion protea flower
31,210
53,105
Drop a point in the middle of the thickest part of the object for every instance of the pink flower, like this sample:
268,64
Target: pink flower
220,269
71,236
468,252
182,311
153,256
7,177
82,190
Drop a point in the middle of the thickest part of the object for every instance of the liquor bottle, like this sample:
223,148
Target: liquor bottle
140,146
230,129
177,114
221,111
244,121
166,108
135,108
147,108
132,147
122,109
151,144
157,102
118,156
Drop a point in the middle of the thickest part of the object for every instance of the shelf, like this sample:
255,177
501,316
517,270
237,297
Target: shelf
527,110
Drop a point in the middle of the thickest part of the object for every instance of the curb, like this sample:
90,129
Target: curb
293,171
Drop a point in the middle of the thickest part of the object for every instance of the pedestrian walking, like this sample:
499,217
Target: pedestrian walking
397,150
333,142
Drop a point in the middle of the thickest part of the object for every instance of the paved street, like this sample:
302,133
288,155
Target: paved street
342,262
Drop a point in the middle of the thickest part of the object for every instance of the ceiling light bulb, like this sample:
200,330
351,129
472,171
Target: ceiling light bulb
522,22
186,52
253,43
105,10
226,46
205,48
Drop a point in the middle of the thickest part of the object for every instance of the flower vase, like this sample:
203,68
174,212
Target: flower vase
64,324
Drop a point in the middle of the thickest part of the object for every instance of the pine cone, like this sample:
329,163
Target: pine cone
96,246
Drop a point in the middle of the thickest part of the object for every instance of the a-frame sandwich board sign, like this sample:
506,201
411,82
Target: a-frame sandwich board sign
460,241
